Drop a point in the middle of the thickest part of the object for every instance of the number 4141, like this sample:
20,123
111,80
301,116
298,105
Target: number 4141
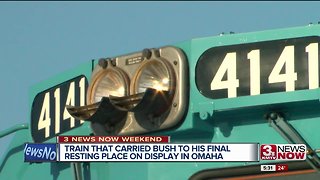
286,59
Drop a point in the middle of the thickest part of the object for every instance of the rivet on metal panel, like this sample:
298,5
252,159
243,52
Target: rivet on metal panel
113,62
175,104
204,115
103,63
157,53
205,110
146,53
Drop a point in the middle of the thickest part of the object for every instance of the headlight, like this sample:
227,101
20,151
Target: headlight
136,93
110,81
106,82
154,74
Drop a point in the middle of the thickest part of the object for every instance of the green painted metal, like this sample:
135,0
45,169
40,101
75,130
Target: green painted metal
203,122
13,129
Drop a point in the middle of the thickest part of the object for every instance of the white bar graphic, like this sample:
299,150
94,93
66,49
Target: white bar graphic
112,152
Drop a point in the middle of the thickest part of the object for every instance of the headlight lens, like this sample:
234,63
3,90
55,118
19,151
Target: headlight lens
154,74
111,81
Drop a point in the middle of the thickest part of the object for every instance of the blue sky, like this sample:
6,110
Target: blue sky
41,39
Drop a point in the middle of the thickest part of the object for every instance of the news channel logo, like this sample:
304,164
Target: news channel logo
40,152
283,152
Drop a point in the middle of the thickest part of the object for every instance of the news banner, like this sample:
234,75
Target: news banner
159,148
